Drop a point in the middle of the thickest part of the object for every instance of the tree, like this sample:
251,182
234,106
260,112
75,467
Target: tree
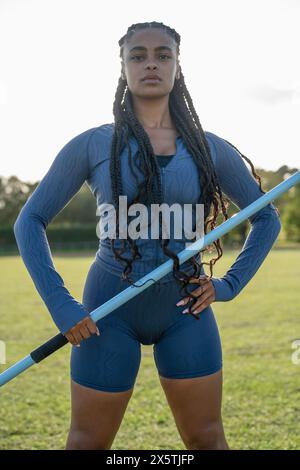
13,195
291,216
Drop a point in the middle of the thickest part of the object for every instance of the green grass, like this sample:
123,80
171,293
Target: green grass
261,400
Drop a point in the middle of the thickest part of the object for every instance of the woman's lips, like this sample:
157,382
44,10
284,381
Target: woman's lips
151,80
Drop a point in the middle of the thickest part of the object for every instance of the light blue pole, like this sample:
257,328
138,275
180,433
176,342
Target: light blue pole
166,267
16,369
195,247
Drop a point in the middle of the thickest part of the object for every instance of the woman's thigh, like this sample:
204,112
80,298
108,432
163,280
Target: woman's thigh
96,417
196,404
188,347
108,362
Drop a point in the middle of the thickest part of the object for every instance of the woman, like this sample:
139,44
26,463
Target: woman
154,152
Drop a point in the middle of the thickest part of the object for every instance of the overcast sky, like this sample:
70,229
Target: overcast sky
59,68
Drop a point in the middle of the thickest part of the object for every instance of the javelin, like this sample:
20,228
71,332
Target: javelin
56,342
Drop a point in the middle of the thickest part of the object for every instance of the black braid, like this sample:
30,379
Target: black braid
188,125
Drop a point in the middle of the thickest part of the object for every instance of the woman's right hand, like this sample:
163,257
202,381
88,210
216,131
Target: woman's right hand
82,330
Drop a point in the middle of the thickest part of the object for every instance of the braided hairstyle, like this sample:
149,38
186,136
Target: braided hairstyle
188,125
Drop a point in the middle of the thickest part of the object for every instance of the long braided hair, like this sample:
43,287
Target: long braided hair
188,125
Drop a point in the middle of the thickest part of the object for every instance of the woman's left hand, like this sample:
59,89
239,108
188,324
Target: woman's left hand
205,293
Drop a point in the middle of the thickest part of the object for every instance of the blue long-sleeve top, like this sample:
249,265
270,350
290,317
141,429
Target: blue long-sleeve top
85,159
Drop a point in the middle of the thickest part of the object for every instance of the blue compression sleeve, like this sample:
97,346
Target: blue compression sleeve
242,189
63,180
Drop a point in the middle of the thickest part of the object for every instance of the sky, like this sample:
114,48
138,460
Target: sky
60,65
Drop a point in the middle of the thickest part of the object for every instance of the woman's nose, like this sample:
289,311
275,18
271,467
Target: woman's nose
151,68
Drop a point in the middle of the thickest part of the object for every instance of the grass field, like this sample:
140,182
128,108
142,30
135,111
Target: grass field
261,397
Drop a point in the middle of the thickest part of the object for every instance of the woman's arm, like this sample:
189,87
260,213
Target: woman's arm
240,186
63,180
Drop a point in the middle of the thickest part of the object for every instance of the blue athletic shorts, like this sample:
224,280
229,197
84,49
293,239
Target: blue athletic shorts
183,346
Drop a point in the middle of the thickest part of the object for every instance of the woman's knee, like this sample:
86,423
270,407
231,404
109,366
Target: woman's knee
208,437
85,440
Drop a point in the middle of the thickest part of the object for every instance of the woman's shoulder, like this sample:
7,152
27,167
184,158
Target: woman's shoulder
215,143
99,141
103,131
214,139
90,142
106,129
98,132
221,151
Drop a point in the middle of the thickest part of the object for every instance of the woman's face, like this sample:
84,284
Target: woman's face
150,52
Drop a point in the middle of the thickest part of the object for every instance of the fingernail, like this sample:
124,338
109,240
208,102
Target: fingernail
77,345
181,302
98,332
185,311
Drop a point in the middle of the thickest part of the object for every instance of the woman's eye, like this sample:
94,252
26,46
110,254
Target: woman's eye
140,57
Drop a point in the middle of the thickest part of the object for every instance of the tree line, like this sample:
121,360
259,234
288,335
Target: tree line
76,222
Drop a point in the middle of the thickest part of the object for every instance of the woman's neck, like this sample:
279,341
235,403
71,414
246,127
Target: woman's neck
153,114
